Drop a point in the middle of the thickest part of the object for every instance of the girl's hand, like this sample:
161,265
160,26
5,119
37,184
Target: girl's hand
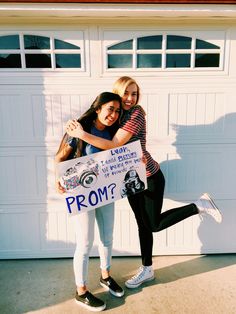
72,124
73,127
59,188
144,159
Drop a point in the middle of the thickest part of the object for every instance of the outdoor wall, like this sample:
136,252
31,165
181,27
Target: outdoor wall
191,119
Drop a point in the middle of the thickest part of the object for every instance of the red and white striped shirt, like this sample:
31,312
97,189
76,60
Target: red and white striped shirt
133,121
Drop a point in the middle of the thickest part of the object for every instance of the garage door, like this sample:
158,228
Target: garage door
49,77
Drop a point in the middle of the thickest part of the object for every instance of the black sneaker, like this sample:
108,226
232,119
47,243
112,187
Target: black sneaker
110,284
90,302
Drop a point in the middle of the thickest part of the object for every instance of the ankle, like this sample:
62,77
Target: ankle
199,206
105,274
81,290
147,267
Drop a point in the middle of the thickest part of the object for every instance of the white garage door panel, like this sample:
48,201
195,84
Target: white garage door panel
25,173
51,111
18,232
34,233
15,110
33,116
125,230
193,112
203,117
56,232
198,168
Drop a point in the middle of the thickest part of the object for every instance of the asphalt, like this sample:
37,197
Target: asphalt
183,284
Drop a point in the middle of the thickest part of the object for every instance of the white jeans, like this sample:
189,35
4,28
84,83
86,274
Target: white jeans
84,230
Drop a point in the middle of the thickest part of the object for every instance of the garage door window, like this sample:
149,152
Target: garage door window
38,52
163,52
9,60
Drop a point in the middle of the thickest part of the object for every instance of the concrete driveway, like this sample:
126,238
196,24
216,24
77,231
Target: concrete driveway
183,284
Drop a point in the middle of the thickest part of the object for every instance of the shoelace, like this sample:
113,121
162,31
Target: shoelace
212,211
139,273
209,210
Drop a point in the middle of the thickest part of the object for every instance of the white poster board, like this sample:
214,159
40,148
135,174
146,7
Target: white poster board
102,178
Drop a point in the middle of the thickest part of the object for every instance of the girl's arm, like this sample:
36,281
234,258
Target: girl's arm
63,153
61,156
73,128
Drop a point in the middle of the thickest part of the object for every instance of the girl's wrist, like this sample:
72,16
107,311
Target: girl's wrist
80,133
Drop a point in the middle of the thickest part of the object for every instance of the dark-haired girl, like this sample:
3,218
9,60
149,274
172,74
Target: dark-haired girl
102,120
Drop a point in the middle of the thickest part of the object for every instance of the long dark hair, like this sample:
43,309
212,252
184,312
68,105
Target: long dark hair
87,119
90,116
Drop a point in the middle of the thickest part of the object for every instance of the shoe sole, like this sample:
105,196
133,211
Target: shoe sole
208,197
139,284
119,294
91,308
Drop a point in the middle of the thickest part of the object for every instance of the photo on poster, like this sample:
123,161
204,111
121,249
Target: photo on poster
101,178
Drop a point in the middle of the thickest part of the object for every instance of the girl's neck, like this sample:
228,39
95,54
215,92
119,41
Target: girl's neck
98,125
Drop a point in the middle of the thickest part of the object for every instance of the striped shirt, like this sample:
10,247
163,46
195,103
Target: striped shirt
133,121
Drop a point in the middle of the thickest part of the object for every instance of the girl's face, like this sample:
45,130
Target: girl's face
107,114
129,99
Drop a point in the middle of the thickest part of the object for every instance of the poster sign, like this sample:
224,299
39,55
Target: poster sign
102,178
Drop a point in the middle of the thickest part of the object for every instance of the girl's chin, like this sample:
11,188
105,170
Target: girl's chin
109,123
127,107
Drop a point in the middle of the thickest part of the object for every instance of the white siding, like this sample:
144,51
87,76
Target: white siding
191,122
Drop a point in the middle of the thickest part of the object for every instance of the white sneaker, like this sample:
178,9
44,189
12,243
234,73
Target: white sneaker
144,274
206,205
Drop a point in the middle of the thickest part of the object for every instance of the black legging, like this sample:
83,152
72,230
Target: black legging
147,207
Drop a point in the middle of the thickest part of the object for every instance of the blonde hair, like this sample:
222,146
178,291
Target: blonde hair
122,83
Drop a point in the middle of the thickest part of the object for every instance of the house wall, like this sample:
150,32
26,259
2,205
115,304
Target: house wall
191,132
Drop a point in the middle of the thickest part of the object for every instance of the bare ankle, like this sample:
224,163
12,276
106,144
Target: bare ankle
105,274
81,290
